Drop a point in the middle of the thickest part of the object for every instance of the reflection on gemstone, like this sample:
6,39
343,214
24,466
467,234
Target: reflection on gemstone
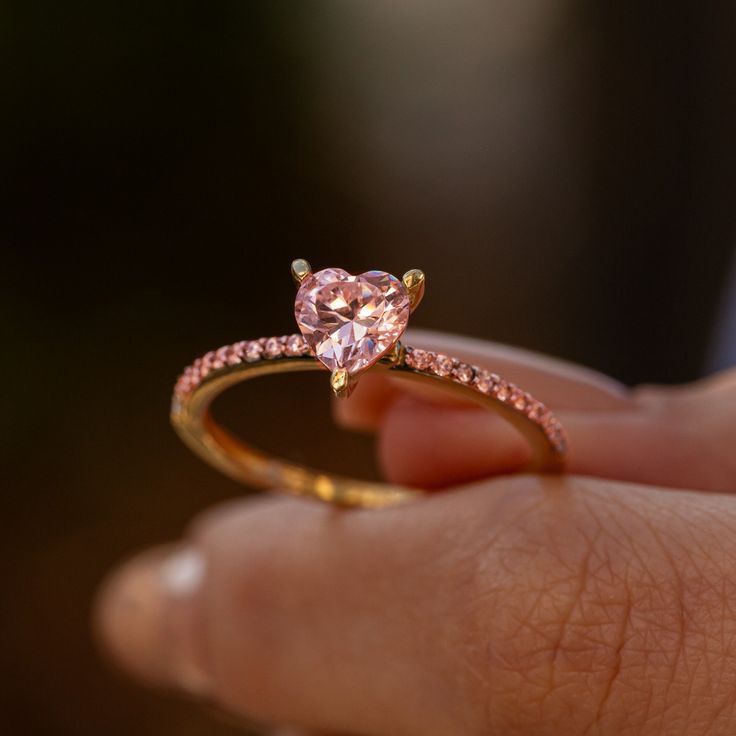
351,321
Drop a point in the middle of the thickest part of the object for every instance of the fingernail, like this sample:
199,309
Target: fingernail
182,576
149,618
182,573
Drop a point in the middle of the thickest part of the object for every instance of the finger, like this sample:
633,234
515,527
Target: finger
522,605
130,600
555,382
429,446
679,438
233,621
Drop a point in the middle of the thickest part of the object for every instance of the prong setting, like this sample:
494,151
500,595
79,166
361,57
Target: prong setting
396,355
414,281
341,383
300,269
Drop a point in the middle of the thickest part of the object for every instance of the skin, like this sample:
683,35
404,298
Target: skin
598,602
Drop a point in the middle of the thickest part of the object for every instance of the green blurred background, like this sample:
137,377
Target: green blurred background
562,171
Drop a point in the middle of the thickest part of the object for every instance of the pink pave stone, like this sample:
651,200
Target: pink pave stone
273,348
535,410
443,365
529,402
463,372
253,351
502,391
207,361
421,360
484,381
351,321
235,354
517,399
219,361
296,345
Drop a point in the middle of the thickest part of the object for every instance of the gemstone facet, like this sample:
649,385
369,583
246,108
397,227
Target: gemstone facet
351,321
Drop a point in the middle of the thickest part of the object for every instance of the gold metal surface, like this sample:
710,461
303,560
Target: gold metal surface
300,269
341,383
414,281
193,422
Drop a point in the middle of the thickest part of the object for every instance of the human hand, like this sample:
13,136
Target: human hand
514,605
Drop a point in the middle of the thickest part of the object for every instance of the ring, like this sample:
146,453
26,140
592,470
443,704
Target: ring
348,325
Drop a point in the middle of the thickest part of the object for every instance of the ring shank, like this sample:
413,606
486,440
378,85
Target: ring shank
209,376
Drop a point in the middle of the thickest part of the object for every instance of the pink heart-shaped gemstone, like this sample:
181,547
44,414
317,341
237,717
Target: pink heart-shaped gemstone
351,321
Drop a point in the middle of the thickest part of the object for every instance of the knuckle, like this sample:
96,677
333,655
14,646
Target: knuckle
595,618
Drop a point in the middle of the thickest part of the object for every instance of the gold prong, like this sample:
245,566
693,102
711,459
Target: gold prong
341,383
300,269
396,355
414,282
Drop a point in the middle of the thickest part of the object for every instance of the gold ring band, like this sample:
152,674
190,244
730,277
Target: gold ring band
216,371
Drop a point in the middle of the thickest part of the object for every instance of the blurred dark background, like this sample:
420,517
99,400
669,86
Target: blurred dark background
563,172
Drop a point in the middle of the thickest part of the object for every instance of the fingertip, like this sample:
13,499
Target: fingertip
128,616
144,617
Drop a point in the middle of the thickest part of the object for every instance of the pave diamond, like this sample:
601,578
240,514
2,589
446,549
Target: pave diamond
351,321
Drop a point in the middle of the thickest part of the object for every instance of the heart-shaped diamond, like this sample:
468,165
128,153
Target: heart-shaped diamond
350,321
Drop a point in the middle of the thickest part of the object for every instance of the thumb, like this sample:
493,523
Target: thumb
292,612
521,605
